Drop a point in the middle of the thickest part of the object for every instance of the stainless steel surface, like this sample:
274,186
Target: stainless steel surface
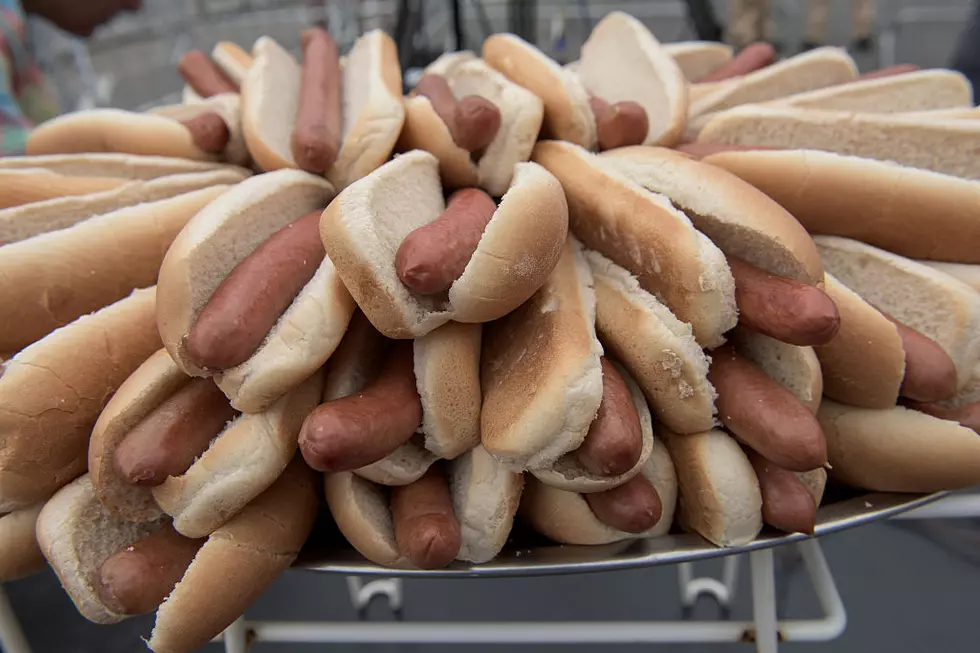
551,559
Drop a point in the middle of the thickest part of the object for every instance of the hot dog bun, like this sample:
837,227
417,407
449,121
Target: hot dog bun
567,116
541,374
912,212
228,107
647,235
566,517
52,393
698,58
920,90
372,106
795,368
363,228
232,60
19,553
521,115
100,260
899,450
659,350
941,145
621,60
853,372
27,185
209,248
740,219
23,222
922,298
234,566
968,273
123,166
568,473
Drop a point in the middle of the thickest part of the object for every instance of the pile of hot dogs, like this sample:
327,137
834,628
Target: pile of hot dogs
500,297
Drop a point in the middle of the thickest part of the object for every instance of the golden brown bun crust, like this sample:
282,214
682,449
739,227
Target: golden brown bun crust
37,185
52,393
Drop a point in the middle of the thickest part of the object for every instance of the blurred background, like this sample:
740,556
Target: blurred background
908,586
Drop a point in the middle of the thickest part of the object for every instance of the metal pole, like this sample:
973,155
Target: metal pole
12,639
764,601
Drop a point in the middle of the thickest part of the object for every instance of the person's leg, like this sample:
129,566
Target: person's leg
966,59
862,24
816,24
702,17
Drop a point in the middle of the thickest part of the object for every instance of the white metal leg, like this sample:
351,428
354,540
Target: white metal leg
361,594
764,601
722,591
236,637
12,638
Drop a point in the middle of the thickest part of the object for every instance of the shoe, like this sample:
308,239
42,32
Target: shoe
865,44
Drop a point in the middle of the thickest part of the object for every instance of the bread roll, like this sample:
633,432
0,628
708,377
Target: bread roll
123,166
698,58
19,552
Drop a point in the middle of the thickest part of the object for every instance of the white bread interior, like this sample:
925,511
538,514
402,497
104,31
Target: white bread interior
811,70
52,393
920,297
699,58
124,166
269,101
659,350
740,219
621,60
719,496
242,462
228,107
815,481
567,114
208,249
540,370
486,496
912,212
566,517
898,450
567,473
115,130
968,394
232,60
865,362
942,145
406,464
99,260
920,90
447,375
20,555
968,273
23,222
643,232
795,368
363,228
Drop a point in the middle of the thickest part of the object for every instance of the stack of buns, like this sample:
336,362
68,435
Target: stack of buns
661,287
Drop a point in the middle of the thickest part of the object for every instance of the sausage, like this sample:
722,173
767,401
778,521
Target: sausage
701,150
354,431
787,504
614,442
316,136
765,415
433,256
633,507
204,76
137,579
209,131
473,121
784,309
248,303
426,529
899,69
930,374
619,125
166,442
751,58
967,415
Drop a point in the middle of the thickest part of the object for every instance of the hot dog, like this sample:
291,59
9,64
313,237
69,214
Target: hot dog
753,57
473,120
426,529
633,507
764,415
209,131
433,256
620,124
167,441
787,504
614,441
204,76
250,300
361,429
930,374
137,579
316,135
784,309
967,415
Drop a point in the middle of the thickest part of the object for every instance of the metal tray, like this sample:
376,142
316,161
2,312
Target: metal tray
528,554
